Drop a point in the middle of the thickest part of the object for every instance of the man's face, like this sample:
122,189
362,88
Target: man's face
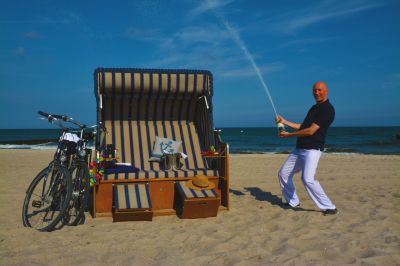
320,92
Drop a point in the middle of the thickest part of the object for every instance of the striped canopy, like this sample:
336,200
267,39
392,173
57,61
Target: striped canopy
153,82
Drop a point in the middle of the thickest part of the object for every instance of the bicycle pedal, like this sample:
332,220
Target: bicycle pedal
36,203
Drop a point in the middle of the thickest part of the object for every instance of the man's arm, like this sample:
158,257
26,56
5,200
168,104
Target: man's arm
280,119
305,132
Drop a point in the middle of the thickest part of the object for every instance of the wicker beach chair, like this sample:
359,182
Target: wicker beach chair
138,105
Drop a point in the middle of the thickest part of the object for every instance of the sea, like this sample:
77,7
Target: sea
340,140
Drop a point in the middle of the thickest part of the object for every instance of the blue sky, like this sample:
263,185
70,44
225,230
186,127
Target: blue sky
49,50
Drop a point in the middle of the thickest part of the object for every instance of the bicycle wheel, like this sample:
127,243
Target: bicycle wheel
80,193
47,198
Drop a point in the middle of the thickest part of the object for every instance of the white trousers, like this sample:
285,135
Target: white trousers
306,161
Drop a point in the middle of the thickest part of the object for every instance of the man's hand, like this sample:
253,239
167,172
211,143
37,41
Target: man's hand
279,119
284,134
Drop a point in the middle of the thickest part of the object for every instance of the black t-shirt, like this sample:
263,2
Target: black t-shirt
323,115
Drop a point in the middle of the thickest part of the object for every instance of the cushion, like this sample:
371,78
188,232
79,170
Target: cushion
121,169
132,196
164,146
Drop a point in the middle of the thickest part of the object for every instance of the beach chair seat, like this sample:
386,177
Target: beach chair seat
135,173
132,202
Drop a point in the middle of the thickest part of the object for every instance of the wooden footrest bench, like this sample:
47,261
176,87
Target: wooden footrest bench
132,203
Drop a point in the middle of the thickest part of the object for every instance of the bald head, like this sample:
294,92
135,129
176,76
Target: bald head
320,91
320,84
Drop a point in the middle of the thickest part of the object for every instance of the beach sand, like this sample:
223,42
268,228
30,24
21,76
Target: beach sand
257,230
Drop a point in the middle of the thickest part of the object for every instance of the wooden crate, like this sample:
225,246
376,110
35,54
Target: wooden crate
192,204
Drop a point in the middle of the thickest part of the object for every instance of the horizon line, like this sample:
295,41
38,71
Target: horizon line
223,127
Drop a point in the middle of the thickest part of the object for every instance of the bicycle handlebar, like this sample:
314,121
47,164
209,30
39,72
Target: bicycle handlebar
43,113
52,117
63,118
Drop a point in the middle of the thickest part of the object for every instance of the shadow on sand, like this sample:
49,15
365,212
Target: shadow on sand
236,192
260,195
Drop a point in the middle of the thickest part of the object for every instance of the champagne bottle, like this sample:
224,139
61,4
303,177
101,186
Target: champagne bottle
281,127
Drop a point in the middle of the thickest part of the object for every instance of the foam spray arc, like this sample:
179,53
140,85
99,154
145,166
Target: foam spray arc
240,43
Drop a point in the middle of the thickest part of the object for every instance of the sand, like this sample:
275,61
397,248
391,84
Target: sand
257,230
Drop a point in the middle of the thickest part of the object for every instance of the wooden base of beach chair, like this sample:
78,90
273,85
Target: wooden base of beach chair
132,215
162,195
102,199
192,204
164,212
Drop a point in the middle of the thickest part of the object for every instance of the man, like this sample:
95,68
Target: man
310,144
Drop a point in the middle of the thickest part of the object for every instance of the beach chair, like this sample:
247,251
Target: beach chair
136,106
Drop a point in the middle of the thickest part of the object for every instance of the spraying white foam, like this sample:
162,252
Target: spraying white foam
235,35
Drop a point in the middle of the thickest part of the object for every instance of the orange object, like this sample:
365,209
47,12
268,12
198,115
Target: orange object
209,153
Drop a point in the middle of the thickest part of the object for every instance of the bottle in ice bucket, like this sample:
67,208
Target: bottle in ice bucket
281,127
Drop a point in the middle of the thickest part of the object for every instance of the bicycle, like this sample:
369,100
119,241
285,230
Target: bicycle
79,171
60,191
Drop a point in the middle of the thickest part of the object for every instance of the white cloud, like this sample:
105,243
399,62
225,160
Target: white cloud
202,34
204,45
248,71
208,5
308,41
207,47
294,21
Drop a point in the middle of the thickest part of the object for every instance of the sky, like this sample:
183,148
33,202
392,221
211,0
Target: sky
50,49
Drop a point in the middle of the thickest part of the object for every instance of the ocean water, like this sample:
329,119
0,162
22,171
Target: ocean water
29,138
344,140
364,140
